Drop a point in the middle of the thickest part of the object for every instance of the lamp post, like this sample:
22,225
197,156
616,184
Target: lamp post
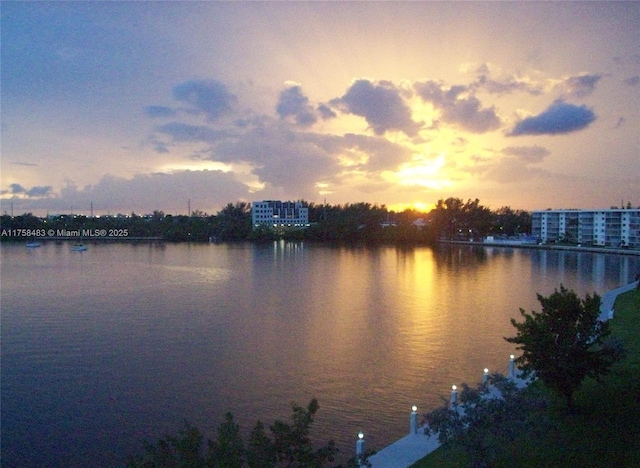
360,448
485,377
512,367
413,420
454,396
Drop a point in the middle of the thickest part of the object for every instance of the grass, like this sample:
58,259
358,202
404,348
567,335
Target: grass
604,429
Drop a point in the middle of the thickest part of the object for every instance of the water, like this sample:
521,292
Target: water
104,348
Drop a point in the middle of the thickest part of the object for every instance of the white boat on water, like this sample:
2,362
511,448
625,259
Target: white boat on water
78,248
33,245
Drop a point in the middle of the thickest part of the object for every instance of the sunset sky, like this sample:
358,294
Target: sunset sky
142,106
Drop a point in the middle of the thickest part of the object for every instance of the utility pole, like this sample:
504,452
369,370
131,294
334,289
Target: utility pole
189,207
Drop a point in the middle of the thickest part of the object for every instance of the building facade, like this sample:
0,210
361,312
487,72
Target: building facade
614,227
279,214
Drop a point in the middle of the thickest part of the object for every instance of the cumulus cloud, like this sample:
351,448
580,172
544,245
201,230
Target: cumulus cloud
326,112
579,86
293,103
280,156
16,188
365,153
208,97
559,118
281,153
208,191
37,191
381,104
458,107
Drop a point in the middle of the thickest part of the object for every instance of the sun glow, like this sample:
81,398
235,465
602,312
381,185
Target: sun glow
420,207
420,171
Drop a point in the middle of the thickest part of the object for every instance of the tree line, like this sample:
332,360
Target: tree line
452,218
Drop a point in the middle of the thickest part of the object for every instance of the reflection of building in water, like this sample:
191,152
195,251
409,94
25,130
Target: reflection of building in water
611,228
599,270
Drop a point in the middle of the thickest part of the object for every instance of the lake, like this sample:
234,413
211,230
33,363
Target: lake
123,342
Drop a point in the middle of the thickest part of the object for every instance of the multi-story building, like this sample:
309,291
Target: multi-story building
278,214
615,227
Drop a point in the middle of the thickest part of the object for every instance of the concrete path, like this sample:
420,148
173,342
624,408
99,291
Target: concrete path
413,447
609,298
405,452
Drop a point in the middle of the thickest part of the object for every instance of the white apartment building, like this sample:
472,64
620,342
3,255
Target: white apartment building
615,227
279,214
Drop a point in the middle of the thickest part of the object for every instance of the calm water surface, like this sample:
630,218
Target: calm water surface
104,348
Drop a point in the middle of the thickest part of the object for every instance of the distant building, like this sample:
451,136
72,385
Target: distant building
278,214
615,227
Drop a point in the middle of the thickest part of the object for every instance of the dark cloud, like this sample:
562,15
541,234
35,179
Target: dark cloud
181,132
16,188
381,104
559,118
208,97
458,107
326,112
292,103
159,111
579,86
529,154
37,191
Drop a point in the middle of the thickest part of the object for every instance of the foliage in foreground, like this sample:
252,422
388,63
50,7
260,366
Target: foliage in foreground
288,445
485,427
566,342
602,430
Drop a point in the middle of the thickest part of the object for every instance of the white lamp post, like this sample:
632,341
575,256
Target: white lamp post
413,420
512,367
360,444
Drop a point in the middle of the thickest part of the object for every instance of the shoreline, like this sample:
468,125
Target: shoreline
573,248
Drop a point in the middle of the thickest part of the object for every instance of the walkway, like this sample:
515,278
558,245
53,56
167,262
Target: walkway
413,447
405,452
609,298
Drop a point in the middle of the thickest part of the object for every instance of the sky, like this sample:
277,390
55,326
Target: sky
142,106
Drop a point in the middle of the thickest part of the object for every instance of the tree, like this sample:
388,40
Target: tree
228,450
290,446
566,342
490,420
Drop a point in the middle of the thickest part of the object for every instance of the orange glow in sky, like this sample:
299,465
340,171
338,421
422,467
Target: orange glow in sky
141,106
